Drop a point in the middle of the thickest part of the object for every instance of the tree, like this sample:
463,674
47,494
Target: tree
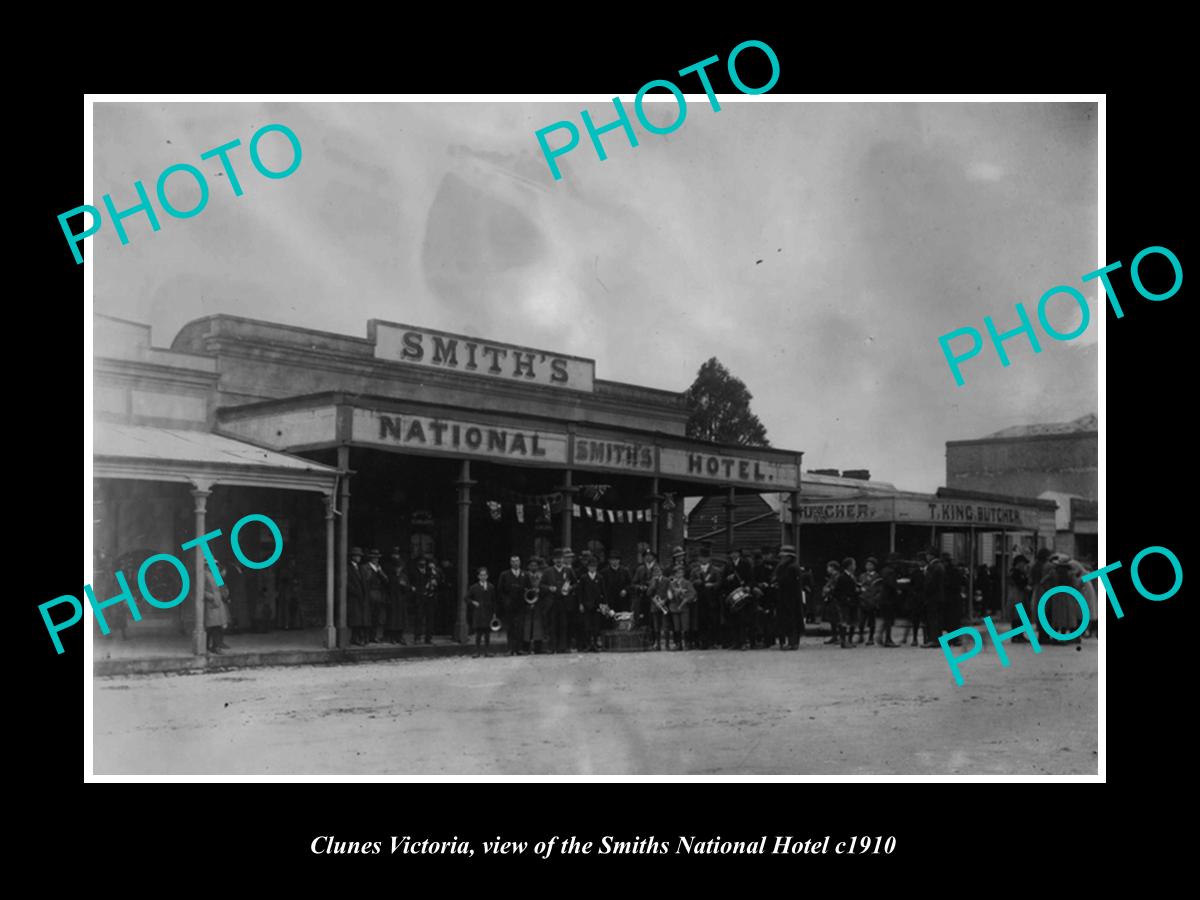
719,404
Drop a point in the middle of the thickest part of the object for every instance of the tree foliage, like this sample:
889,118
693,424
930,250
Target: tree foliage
719,404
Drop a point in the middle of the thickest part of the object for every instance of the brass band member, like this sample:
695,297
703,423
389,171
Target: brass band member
706,624
511,588
559,580
660,615
537,599
681,603
644,610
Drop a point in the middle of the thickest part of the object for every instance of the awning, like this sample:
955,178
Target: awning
181,455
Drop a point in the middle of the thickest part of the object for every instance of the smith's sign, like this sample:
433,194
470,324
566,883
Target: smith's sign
472,356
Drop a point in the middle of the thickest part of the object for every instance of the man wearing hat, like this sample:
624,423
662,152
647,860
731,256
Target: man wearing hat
787,581
706,579
357,615
640,585
398,589
559,582
591,597
934,592
954,586
510,589
375,586
618,584
534,619
424,587
889,599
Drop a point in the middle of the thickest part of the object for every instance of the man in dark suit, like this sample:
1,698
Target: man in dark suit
934,593
706,578
425,591
640,586
511,589
559,582
954,585
397,607
618,584
591,597
764,578
357,617
375,586
787,582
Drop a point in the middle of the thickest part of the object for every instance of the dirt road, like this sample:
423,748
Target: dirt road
820,710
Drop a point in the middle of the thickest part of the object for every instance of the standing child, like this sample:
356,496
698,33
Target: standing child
481,598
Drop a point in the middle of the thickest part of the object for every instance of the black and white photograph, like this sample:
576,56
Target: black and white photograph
723,435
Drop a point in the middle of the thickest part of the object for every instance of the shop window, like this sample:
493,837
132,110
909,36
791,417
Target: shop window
420,545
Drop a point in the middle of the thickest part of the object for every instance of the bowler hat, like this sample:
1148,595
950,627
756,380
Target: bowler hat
374,552
787,550
356,551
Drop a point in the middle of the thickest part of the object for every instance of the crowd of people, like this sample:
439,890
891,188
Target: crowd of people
750,601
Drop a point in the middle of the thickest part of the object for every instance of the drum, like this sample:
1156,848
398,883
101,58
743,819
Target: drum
738,598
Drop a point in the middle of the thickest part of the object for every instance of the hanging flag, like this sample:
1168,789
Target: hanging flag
612,516
575,511
650,514
494,509
641,515
521,513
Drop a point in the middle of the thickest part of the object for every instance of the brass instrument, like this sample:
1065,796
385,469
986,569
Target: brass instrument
680,588
533,591
496,624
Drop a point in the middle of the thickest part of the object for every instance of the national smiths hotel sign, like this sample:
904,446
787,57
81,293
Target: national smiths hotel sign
427,348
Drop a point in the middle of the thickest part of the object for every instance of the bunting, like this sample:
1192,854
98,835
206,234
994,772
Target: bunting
549,504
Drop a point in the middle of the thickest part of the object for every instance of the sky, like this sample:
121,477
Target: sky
817,249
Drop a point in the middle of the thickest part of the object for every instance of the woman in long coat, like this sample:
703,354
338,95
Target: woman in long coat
216,611
1062,610
1088,590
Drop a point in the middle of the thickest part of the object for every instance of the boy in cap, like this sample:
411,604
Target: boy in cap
481,601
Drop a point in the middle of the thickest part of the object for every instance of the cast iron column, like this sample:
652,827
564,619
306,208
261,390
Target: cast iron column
568,510
464,535
730,510
330,578
343,461
200,497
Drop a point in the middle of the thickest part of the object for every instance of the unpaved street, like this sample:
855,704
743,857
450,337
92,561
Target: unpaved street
820,710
